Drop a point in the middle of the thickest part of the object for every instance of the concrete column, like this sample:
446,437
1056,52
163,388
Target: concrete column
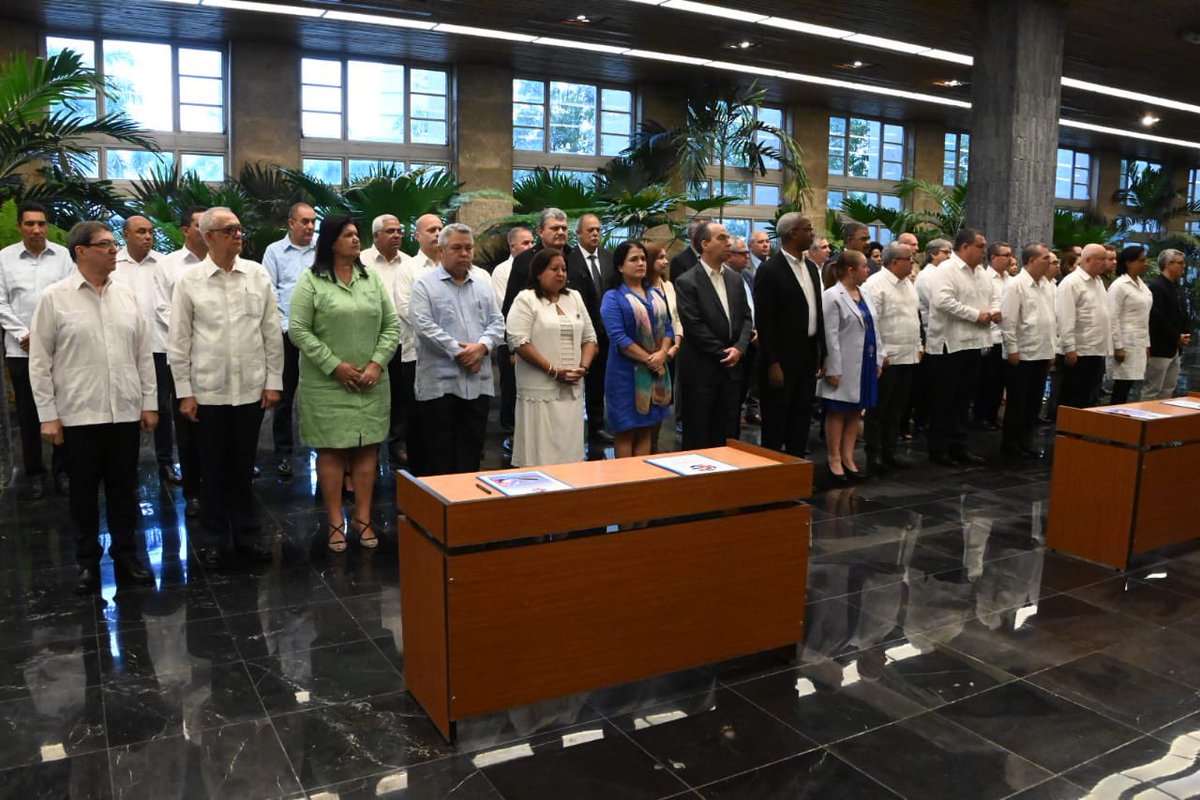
18,37
1015,92
810,129
1106,169
483,138
264,104
928,149
666,105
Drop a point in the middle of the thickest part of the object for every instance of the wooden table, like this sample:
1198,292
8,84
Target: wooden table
507,601
1123,486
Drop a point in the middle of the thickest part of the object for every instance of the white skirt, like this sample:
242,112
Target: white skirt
548,431
1133,368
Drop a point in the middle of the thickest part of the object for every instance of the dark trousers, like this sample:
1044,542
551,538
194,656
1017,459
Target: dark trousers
414,434
29,424
453,430
593,392
712,412
749,367
281,421
886,421
1025,384
228,444
164,434
107,454
952,378
398,416
508,389
1120,392
787,410
1080,385
990,387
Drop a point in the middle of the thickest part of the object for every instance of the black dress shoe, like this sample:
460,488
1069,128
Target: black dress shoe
62,484
966,457
256,472
284,468
839,480
855,476
35,488
129,570
89,579
211,558
169,473
254,553
192,509
605,436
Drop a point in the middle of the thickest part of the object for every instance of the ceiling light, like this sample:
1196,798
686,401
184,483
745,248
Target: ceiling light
952,83
855,65
1161,102
868,88
572,44
582,18
377,19
714,11
744,68
270,8
805,27
1149,120
485,33
946,55
1148,137
657,56
885,44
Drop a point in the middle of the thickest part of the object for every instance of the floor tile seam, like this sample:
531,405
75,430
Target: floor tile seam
823,748
286,756
815,744
111,679
1154,585
1035,671
279,654
1109,713
663,764
1049,771
261,706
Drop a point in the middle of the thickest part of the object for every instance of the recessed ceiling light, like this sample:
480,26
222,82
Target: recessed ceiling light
269,8
856,64
950,84
1149,120
582,18
741,44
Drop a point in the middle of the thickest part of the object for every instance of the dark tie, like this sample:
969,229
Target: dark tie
596,277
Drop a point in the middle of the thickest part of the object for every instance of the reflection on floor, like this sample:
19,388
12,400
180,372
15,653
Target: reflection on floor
947,655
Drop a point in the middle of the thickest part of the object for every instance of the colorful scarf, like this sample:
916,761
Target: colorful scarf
649,389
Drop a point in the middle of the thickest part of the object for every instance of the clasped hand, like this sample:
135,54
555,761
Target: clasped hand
354,379
471,355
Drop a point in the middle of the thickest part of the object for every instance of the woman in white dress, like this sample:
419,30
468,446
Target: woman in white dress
549,329
1129,302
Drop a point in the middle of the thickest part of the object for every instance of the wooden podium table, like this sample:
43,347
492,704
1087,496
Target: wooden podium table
507,601
1123,486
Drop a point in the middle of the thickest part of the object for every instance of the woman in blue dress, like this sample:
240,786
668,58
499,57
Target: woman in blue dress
853,363
637,387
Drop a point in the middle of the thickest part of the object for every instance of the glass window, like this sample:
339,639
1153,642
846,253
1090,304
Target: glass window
1072,177
866,148
140,76
1137,166
571,118
328,170
359,168
207,167
955,158
132,165
586,178
147,80
1194,186
369,101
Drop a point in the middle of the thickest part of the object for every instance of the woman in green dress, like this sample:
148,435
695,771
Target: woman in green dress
344,324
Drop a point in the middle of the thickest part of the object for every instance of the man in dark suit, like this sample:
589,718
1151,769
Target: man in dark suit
552,232
791,336
1169,327
589,271
687,259
715,315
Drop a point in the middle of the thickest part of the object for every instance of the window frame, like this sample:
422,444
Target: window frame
758,215
176,143
346,150
961,170
1073,201
531,159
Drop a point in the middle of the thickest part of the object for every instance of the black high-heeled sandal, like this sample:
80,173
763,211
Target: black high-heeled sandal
336,547
363,527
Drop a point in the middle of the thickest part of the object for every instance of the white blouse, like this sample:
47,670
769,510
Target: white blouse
534,320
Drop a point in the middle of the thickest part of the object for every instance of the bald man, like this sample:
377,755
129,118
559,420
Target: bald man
285,260
1085,337
909,240
137,267
427,229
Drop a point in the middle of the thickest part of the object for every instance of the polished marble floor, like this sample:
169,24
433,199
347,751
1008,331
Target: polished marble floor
947,655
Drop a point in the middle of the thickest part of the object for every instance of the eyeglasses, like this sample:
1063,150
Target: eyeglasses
107,244
739,252
229,230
